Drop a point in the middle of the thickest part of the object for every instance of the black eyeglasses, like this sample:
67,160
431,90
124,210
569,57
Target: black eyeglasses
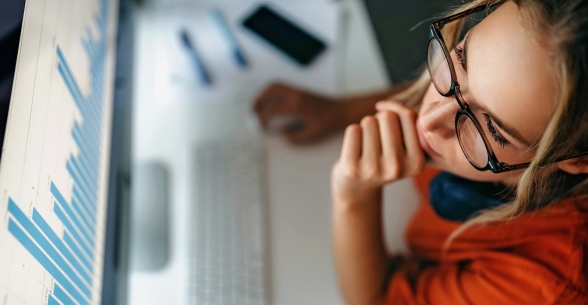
471,137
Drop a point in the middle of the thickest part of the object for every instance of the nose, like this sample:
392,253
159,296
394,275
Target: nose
439,116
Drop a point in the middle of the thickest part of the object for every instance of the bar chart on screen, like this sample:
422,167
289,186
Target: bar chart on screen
53,167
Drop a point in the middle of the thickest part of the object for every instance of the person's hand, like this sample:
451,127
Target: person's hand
305,117
381,149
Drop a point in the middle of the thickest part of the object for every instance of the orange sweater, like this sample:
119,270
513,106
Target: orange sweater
538,258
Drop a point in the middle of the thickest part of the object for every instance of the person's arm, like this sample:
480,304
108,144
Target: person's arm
360,256
382,149
317,115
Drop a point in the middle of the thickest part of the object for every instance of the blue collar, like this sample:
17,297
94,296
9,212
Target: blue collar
457,199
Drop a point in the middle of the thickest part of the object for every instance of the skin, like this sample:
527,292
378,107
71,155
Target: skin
319,115
387,147
509,74
501,52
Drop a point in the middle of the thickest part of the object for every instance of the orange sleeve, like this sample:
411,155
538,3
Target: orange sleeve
483,282
512,263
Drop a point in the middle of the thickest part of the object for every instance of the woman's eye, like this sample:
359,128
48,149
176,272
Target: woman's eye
460,56
502,142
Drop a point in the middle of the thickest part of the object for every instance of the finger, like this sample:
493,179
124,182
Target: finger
408,122
414,156
371,147
300,134
264,97
351,149
391,135
276,106
388,105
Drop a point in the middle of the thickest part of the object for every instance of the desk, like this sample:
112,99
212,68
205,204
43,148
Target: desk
299,195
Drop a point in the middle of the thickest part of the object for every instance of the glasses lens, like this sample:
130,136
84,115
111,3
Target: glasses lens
471,142
438,67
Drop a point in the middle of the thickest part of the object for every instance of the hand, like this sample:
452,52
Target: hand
381,149
316,116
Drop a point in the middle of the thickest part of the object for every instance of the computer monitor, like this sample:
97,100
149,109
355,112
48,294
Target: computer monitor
64,170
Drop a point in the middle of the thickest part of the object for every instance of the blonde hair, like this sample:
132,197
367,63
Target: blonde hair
562,27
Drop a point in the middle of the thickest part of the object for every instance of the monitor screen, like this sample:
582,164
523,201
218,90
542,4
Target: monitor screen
54,168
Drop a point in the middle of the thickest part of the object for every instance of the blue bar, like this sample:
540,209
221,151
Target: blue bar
90,144
98,74
90,186
57,194
83,170
98,83
91,136
87,147
86,164
92,129
90,118
72,245
72,86
66,74
45,228
96,102
91,123
85,244
89,166
85,188
44,261
71,83
86,203
90,132
73,89
96,99
88,46
65,206
83,214
61,295
76,222
46,246
52,301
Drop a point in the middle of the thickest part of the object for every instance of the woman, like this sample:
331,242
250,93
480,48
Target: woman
505,115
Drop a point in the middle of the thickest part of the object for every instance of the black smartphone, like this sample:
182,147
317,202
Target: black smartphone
285,35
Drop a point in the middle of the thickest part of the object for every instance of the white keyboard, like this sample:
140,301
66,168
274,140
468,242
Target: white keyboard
230,256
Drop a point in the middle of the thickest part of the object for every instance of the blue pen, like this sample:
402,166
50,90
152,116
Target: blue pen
236,51
196,58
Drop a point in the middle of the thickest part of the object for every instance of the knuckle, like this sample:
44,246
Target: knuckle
371,170
411,115
390,116
351,170
345,169
403,111
393,168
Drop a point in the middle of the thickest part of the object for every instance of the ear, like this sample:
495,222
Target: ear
574,166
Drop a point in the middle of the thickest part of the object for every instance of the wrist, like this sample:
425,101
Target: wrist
364,201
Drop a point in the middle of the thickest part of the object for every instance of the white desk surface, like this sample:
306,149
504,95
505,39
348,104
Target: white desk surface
302,270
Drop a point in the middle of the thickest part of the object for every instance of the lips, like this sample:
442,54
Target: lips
424,143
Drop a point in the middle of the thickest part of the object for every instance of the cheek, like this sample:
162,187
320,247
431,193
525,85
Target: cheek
442,138
431,97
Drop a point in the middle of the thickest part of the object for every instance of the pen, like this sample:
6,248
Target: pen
196,58
236,50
